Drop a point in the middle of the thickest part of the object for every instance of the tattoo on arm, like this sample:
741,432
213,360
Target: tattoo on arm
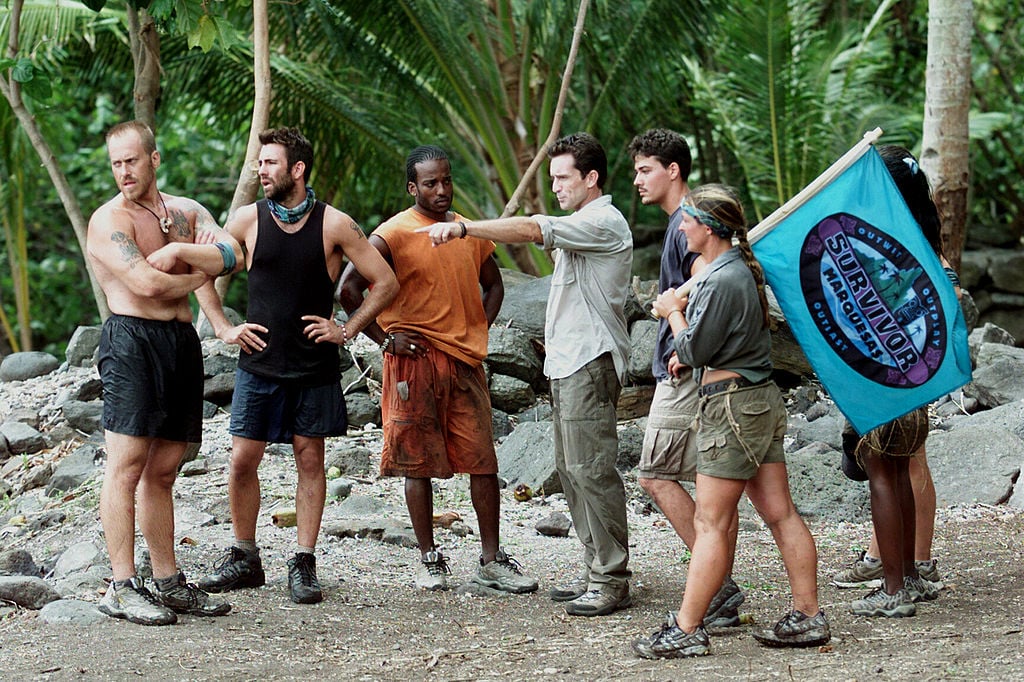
130,253
358,230
180,222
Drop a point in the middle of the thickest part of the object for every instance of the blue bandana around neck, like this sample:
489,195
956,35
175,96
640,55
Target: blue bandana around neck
293,215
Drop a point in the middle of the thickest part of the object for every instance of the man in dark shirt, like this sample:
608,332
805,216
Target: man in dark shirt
287,386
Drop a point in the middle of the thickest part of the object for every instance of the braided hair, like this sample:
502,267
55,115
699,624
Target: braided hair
722,204
422,154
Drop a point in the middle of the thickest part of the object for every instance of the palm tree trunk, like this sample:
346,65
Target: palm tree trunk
145,48
945,154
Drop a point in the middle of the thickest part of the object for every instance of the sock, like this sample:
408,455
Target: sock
164,584
868,559
304,550
248,546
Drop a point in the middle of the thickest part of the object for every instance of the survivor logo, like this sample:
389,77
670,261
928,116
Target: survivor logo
872,301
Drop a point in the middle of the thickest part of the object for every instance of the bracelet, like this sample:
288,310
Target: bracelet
389,340
464,231
227,254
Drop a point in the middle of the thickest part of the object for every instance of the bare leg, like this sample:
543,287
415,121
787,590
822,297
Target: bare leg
312,488
244,486
769,492
156,504
419,498
126,458
715,509
483,489
887,517
924,505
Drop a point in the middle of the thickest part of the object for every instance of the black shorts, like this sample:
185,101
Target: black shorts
271,411
152,373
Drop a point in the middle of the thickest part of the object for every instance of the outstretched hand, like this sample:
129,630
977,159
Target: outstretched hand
441,233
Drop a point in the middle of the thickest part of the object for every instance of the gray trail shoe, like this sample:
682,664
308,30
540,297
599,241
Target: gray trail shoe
863,573
572,590
920,589
878,603
303,586
129,599
237,569
432,573
723,610
796,629
504,574
183,597
929,570
672,642
600,602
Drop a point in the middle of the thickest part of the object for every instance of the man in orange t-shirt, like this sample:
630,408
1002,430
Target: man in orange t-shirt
436,406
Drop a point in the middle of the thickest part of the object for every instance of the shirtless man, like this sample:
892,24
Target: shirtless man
141,247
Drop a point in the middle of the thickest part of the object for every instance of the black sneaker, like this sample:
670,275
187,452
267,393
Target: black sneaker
672,642
237,569
182,597
302,582
722,611
797,629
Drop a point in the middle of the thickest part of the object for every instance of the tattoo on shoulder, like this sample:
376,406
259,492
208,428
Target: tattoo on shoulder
180,222
130,253
358,230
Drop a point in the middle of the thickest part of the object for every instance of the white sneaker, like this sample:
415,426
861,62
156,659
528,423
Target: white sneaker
432,573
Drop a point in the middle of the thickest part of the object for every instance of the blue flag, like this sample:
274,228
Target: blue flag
866,297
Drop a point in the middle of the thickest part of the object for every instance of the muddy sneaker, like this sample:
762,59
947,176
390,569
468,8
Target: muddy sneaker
237,569
865,572
722,611
129,599
919,589
303,586
672,642
929,570
796,629
573,590
182,597
503,574
432,573
600,602
878,603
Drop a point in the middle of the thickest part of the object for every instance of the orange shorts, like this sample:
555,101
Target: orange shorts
437,418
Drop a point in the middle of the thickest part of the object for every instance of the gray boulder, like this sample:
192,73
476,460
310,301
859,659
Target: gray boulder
1005,269
527,456
71,612
78,557
83,346
219,363
510,352
510,394
219,389
974,463
819,487
84,416
642,337
91,389
27,592
631,441
501,425
74,470
555,525
1000,381
988,333
27,365
362,409
525,307
206,329
17,562
1008,417
351,459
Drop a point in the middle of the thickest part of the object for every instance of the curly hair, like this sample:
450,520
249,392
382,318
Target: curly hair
667,146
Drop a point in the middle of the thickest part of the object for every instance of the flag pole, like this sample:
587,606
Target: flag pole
801,198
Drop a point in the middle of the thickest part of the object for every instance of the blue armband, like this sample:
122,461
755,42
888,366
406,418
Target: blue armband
227,254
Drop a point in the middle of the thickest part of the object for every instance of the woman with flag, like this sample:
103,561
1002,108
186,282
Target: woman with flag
721,330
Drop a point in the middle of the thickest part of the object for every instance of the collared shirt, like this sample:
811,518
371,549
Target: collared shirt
725,322
593,250
676,262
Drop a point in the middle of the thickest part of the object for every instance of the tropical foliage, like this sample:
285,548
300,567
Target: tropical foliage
768,93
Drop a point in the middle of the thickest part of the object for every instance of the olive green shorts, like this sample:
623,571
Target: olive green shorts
740,429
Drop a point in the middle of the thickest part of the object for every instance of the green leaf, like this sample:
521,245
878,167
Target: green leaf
205,33
94,5
6,63
38,88
23,70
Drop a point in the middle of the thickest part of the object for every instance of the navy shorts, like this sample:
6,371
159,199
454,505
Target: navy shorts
152,373
270,411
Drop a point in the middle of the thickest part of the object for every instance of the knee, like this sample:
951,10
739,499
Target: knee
161,479
243,468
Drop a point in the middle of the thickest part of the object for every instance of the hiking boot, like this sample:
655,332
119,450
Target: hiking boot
672,642
237,569
573,590
929,570
600,602
879,603
796,629
302,583
503,574
182,597
722,611
129,599
919,589
865,572
432,572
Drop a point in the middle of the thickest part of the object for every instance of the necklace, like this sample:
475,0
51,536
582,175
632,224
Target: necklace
165,222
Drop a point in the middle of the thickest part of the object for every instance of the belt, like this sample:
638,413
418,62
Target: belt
716,387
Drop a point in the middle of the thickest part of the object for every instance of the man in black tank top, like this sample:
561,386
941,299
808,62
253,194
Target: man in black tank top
287,386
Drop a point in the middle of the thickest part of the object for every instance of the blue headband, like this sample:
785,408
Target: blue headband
706,218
